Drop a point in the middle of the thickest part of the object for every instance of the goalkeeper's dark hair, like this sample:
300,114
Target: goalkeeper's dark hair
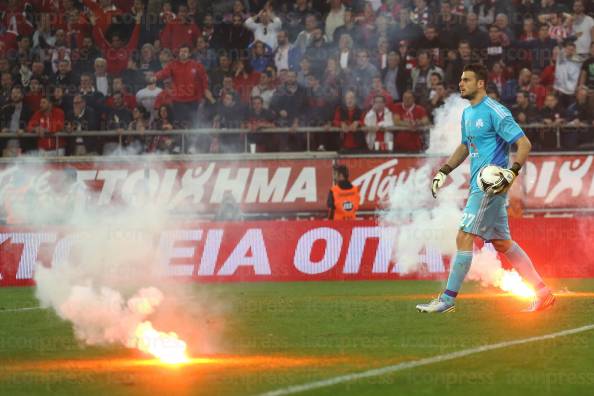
479,70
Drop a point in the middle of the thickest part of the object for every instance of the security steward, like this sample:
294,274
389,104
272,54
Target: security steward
343,198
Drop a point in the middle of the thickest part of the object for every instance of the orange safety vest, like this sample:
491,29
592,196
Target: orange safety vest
346,202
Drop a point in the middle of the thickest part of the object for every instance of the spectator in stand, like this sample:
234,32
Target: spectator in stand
537,91
456,61
579,118
345,54
552,114
486,11
437,98
348,118
421,13
294,19
559,28
512,86
245,79
260,56
380,58
580,114
236,37
103,13
165,121
37,72
304,37
304,71
334,19
117,52
333,80
523,111
83,57
208,31
318,51
60,100
395,77
230,115
181,30
405,29
349,27
190,86
497,76
430,42
217,74
421,76
82,118
471,31
567,72
528,30
362,75
148,62
102,80
265,26
587,76
376,119
497,46
206,56
447,25
147,97
319,107
119,87
165,56
48,120
286,55
502,22
64,76
377,89
582,28
541,49
257,118
288,103
93,97
6,83
118,116
265,89
34,94
410,115
140,123
14,116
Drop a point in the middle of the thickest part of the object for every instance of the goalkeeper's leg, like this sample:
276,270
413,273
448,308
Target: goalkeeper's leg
458,270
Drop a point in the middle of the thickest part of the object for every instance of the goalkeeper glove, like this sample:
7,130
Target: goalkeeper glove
439,179
509,175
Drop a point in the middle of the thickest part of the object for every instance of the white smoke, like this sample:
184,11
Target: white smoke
112,279
422,221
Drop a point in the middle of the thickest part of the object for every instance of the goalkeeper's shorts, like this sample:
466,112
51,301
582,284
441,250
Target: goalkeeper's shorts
486,216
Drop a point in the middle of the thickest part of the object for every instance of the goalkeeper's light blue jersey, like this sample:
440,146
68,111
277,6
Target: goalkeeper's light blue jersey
489,130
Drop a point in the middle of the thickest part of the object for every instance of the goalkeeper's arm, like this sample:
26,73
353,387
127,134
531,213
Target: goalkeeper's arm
457,157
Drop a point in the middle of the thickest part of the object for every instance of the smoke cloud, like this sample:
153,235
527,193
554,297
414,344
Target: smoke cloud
107,277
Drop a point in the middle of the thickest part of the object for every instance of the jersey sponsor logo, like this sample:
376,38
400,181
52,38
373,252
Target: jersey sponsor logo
472,149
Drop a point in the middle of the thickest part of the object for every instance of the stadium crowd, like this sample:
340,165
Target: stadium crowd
159,65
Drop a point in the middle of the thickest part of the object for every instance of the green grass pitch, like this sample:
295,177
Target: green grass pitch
275,335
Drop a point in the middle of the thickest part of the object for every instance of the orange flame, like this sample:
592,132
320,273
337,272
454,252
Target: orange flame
167,347
512,283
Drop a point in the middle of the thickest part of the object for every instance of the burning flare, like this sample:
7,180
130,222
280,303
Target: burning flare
511,282
167,347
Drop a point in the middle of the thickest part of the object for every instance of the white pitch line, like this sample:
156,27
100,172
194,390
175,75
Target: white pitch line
21,309
417,363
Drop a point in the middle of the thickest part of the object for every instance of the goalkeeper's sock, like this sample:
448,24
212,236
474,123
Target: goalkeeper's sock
522,263
458,272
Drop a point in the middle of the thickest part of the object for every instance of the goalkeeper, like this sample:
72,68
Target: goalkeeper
488,131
